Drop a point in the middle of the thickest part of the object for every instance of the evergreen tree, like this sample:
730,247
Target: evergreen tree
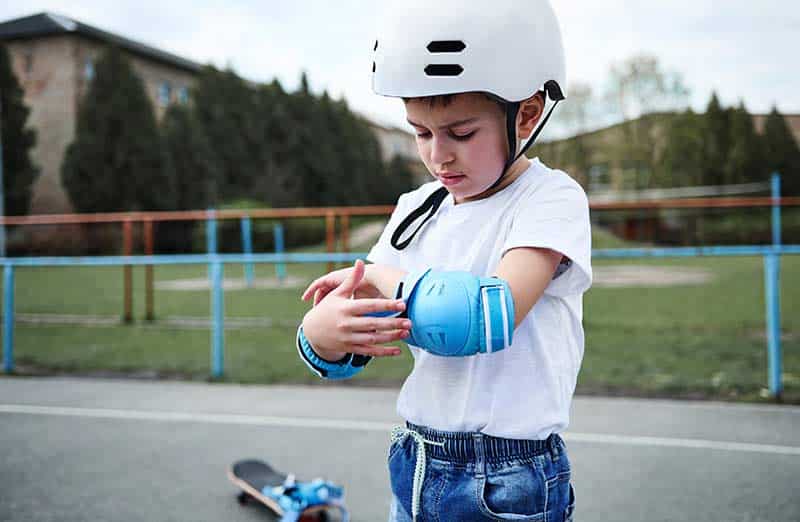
716,142
276,183
19,171
190,161
226,107
191,165
682,162
745,156
116,160
781,153
399,179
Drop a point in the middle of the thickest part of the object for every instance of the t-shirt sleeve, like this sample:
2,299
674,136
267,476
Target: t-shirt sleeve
557,217
383,252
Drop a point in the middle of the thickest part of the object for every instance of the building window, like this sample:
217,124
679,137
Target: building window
28,62
183,95
88,69
164,93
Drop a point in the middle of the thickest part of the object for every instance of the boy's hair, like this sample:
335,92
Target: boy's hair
447,99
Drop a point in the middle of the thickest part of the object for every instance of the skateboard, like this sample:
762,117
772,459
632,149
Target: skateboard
290,499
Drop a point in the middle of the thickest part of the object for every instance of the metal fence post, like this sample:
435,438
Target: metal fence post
247,244
8,318
772,295
218,320
127,272
149,308
211,232
280,268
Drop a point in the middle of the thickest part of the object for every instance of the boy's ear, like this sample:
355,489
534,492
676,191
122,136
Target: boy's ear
530,111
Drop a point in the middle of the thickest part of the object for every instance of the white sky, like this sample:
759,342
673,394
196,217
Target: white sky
745,50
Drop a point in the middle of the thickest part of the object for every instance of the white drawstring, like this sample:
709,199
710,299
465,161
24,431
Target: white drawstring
399,434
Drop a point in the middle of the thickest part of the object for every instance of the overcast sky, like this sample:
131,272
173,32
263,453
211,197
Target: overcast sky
744,50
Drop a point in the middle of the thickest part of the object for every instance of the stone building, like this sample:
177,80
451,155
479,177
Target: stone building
53,57
395,141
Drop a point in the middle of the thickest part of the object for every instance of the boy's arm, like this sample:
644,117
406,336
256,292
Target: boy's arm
527,271
384,278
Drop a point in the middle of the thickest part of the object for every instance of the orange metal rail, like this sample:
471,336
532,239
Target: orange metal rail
127,219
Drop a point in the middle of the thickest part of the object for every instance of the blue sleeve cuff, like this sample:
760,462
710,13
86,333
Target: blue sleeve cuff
344,368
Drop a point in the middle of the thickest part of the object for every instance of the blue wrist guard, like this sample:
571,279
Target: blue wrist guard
456,314
344,368
295,497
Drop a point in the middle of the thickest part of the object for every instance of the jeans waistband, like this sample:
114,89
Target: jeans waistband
466,447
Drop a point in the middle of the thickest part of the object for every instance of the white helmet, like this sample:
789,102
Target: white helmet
509,49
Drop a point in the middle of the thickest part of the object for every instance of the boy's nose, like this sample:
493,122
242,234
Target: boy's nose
441,154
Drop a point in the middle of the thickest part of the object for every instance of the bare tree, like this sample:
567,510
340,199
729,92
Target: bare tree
638,89
639,86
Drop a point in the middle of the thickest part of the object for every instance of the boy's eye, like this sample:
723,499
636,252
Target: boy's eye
462,137
423,134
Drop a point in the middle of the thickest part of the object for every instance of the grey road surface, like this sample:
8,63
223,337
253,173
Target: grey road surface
92,450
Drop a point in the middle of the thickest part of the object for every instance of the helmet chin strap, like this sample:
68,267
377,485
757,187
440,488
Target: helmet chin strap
512,110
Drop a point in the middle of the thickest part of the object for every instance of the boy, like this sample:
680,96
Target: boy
481,271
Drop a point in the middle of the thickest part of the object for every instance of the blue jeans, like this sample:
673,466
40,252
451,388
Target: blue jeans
472,477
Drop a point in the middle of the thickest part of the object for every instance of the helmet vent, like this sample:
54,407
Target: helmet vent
446,69
446,46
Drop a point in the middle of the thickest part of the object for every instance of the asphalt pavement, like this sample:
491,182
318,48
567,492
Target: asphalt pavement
90,450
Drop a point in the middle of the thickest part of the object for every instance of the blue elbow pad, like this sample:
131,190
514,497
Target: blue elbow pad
456,314
341,369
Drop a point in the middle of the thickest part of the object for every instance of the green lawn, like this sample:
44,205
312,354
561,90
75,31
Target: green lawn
705,340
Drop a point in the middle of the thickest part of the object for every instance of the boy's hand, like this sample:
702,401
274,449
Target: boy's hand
322,286
337,326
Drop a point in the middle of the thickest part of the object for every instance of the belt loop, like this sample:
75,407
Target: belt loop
555,451
480,455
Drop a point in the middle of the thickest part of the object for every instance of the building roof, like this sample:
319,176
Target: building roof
49,24
792,121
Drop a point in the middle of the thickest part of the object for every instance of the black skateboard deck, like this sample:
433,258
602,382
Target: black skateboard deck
252,476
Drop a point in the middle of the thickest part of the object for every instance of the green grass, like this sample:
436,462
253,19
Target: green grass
706,340
692,341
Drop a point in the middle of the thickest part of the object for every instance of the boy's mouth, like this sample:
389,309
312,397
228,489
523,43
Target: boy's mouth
450,178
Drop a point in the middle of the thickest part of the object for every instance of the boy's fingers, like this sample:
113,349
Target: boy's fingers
307,291
374,338
350,283
376,351
379,324
372,306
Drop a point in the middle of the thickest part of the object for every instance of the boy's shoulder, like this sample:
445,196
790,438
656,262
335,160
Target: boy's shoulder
540,175
541,183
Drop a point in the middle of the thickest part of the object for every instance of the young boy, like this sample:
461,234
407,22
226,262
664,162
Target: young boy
481,271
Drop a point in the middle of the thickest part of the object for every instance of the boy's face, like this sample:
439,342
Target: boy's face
463,143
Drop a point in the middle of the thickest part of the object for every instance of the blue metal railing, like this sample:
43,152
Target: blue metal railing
770,253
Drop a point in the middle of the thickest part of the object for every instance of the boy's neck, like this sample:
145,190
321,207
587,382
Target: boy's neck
514,171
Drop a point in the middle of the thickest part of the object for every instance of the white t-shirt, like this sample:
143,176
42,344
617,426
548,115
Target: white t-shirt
524,391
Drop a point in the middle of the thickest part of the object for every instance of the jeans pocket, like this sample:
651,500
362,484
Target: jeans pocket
570,511
393,449
560,497
401,474
519,493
